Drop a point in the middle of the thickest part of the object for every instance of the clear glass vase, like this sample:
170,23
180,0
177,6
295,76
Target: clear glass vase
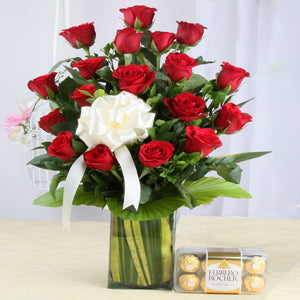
141,253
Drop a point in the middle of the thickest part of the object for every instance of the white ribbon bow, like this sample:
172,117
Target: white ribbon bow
114,121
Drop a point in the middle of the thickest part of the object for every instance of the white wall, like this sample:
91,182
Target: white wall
242,32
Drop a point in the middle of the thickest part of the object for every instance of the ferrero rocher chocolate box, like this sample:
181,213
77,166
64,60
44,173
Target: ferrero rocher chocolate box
220,270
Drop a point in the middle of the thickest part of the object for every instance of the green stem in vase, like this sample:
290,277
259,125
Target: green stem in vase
141,253
134,252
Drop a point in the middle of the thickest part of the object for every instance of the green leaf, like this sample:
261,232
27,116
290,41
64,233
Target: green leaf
152,100
76,76
78,147
231,174
149,211
46,161
82,197
153,91
84,92
107,48
208,188
56,179
141,58
162,76
152,132
239,157
201,61
194,82
58,64
149,58
243,103
137,24
148,194
128,58
105,73
70,126
99,93
200,171
66,88
164,130
175,91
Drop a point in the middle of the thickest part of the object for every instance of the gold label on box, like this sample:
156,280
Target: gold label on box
223,271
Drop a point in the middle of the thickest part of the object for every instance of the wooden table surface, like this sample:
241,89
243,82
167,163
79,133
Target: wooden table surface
40,261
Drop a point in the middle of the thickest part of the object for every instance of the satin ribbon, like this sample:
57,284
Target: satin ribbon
132,187
113,120
73,180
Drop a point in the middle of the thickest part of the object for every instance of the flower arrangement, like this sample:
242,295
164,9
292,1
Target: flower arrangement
134,127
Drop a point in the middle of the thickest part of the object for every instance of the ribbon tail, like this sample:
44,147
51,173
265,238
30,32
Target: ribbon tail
132,185
73,180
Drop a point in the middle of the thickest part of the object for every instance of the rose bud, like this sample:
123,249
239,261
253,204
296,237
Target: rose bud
203,140
134,78
179,66
80,97
138,16
189,33
88,67
127,40
61,146
54,117
99,158
155,153
40,85
80,36
186,106
230,116
161,41
231,75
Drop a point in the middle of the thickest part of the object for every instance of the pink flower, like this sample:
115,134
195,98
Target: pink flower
13,120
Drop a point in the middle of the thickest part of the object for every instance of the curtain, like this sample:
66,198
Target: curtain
263,37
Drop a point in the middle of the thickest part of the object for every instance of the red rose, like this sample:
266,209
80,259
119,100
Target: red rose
40,85
88,67
161,40
127,40
203,140
79,36
134,78
80,97
179,66
139,13
155,153
186,106
99,158
61,146
189,33
231,75
54,117
231,114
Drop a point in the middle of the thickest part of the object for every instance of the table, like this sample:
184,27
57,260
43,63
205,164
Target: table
40,261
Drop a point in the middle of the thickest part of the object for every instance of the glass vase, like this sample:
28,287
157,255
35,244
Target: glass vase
141,253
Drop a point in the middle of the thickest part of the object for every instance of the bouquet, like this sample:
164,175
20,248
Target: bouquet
134,126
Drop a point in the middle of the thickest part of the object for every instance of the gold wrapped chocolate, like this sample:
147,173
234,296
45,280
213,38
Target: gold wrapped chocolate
254,283
189,282
256,265
189,263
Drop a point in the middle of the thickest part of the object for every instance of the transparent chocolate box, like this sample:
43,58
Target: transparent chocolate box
220,270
